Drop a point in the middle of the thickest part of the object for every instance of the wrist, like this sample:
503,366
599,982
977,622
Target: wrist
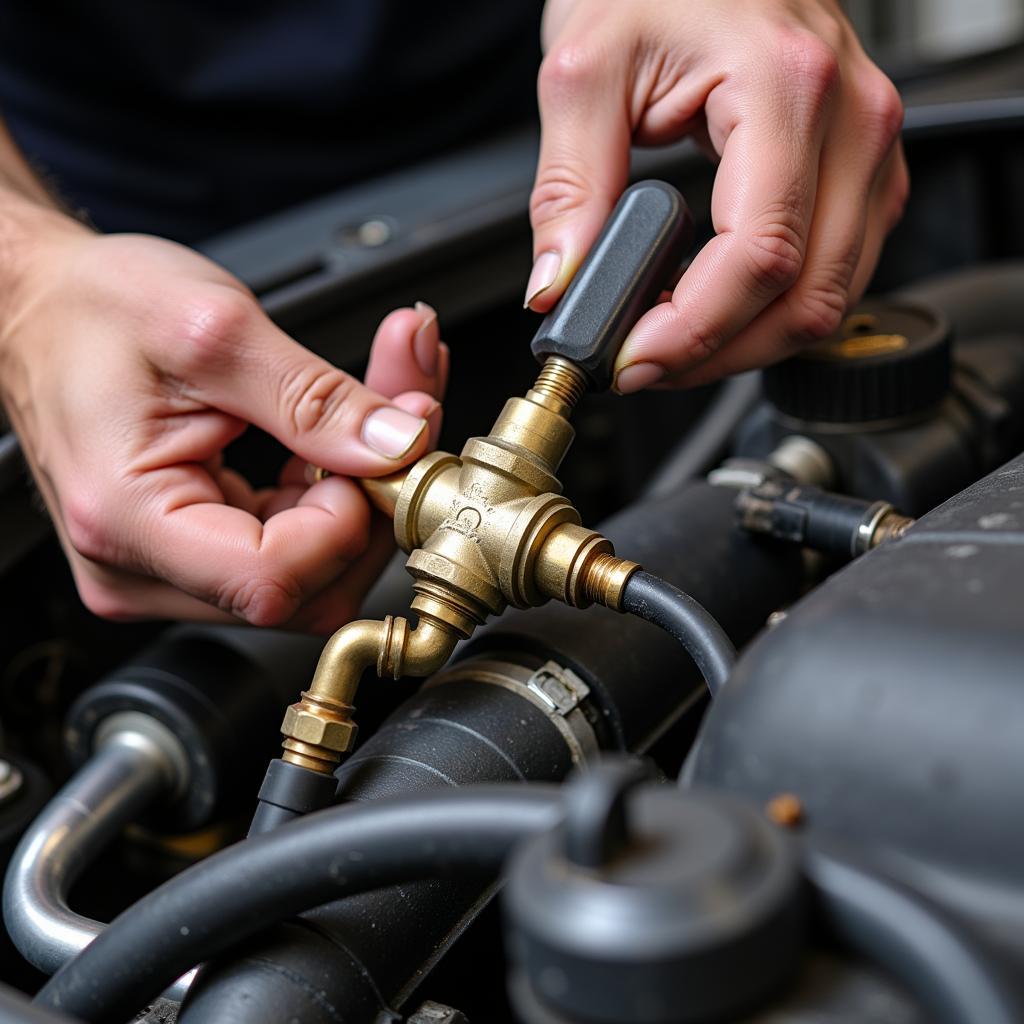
32,236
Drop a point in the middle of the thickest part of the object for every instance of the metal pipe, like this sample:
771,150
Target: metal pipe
137,761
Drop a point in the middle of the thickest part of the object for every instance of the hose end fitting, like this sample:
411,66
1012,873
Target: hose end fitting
317,732
606,578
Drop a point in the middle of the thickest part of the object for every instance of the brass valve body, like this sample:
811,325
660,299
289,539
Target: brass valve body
484,530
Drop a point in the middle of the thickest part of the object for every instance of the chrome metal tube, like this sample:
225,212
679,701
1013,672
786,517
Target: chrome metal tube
137,762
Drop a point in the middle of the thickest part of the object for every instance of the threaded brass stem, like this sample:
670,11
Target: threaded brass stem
562,381
606,578
891,527
308,755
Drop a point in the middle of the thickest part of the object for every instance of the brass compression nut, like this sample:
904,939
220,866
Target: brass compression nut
315,722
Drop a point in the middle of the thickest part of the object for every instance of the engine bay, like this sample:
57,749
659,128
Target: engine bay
710,722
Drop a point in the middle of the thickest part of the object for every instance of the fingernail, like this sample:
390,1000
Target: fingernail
392,432
425,340
434,418
637,377
543,275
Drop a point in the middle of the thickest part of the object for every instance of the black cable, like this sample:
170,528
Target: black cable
687,620
324,856
950,970
707,443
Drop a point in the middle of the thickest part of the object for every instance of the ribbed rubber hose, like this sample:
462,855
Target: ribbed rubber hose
685,619
350,849
948,969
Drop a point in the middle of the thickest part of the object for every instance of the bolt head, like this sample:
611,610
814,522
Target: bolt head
302,724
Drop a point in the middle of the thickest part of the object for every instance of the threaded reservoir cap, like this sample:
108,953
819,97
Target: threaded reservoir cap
890,359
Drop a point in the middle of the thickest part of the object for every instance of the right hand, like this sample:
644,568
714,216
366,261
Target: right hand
128,363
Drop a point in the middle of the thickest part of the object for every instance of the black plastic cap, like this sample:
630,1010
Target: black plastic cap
890,360
698,918
642,246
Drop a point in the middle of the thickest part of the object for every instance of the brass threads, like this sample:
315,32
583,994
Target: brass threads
891,526
563,381
309,756
606,578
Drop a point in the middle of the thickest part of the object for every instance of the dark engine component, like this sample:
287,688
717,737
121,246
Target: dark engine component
889,702
879,397
624,687
670,910
219,691
889,362
636,672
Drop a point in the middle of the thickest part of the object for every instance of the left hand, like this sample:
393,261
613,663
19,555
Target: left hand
811,175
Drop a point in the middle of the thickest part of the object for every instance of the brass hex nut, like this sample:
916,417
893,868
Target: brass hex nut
309,727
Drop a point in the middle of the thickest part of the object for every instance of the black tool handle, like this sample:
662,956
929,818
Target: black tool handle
642,245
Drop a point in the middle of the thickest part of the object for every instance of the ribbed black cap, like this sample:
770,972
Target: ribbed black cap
681,908
889,360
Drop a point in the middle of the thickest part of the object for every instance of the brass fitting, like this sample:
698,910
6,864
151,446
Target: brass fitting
484,530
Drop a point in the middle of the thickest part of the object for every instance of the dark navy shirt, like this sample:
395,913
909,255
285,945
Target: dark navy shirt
184,117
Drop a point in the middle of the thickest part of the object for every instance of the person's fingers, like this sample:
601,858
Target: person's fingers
406,353
859,199
889,197
173,526
584,159
228,354
340,602
428,408
762,205
128,597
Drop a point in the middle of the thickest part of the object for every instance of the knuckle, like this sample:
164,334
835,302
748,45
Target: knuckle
703,339
87,526
560,189
568,67
818,313
809,65
882,110
103,601
315,398
261,601
215,323
774,253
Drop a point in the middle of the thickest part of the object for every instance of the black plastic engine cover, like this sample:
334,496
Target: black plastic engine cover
891,702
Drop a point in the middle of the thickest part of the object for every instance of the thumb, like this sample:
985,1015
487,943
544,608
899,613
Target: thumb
582,169
240,362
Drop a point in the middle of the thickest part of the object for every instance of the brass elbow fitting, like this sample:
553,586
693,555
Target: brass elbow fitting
484,530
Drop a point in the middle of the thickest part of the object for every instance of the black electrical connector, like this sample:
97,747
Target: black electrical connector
831,523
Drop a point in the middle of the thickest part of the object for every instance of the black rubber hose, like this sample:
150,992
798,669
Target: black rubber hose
323,856
687,620
941,962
